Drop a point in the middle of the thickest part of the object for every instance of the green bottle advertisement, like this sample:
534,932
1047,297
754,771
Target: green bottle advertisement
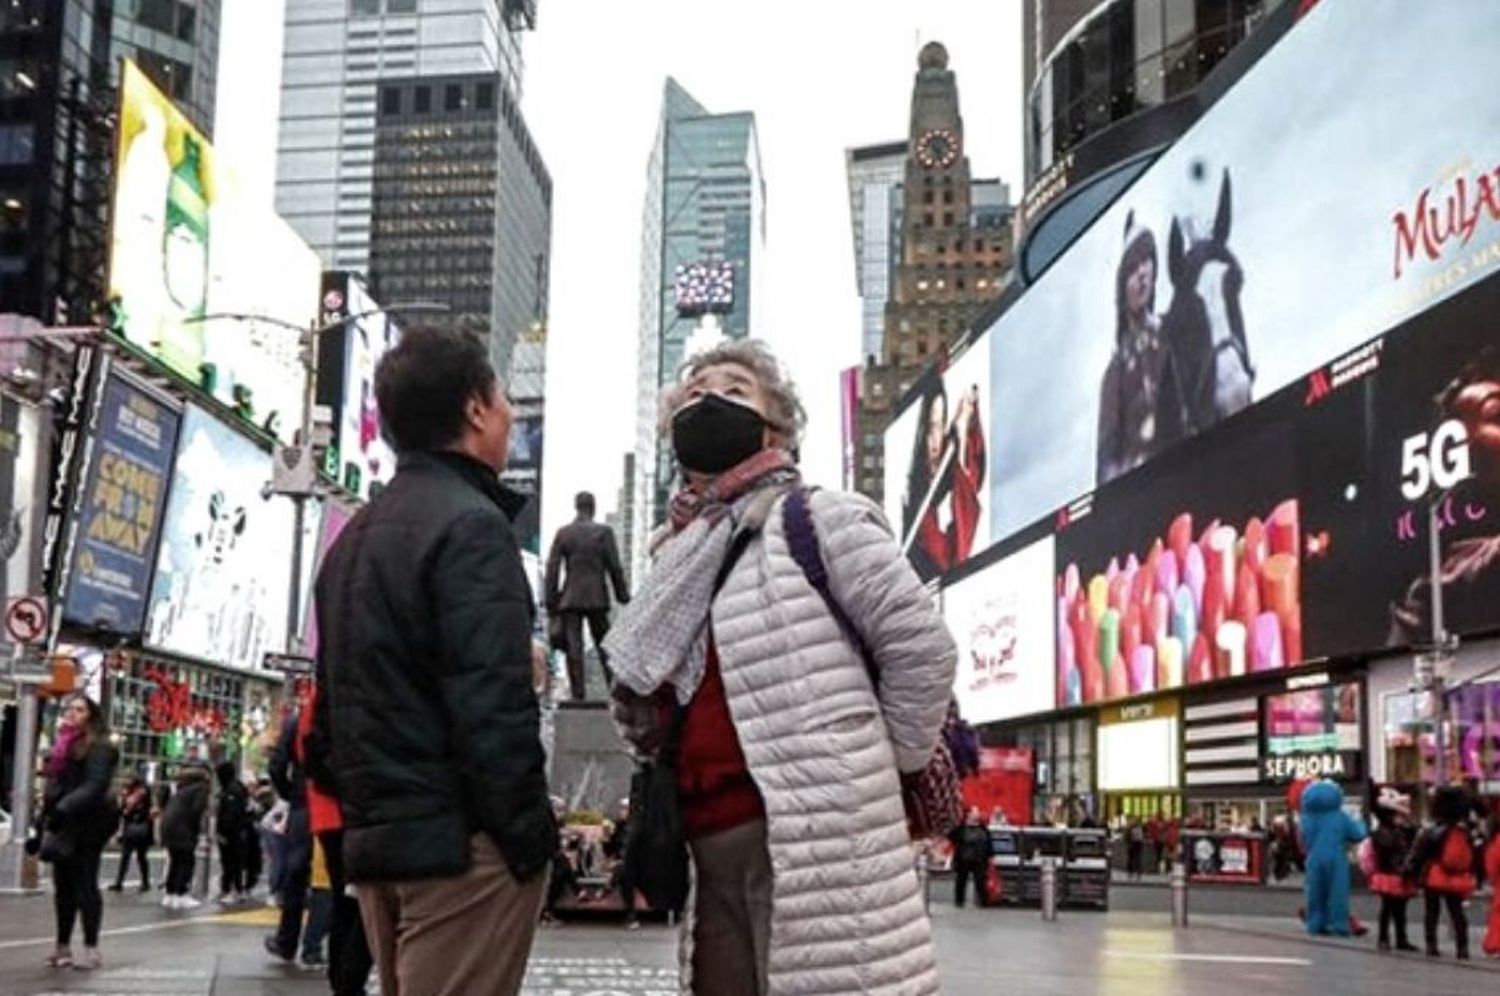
185,262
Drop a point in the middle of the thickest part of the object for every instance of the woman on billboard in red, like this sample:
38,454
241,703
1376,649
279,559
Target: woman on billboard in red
940,517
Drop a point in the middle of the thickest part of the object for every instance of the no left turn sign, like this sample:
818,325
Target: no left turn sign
26,619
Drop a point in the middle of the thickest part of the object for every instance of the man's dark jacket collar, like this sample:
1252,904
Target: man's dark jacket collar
509,501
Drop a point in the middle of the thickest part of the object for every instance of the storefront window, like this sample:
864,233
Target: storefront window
1473,736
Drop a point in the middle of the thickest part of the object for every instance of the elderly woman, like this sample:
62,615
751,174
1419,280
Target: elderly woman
788,758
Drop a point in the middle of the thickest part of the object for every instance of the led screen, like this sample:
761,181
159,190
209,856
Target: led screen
223,573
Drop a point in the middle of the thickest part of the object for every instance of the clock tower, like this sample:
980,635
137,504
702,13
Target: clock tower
951,257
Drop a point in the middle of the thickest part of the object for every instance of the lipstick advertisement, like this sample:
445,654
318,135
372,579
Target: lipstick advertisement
1188,575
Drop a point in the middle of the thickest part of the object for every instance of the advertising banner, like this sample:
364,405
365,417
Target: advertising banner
355,337
1004,784
1228,859
334,518
187,248
523,469
119,519
1283,229
1312,733
1187,573
223,572
22,437
1000,618
937,459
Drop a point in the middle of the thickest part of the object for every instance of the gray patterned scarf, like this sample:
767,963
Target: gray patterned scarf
661,636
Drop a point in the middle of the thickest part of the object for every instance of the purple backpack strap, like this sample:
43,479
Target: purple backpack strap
802,539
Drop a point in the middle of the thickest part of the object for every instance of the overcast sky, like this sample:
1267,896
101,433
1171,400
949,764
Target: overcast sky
820,75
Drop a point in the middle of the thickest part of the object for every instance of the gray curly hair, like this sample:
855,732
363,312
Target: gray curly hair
786,415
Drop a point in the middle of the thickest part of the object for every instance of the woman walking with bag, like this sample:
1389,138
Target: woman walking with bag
743,653
135,833
78,817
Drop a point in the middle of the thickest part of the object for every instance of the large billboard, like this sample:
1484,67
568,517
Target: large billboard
223,571
1000,617
22,461
187,248
937,464
523,468
120,514
1347,182
356,336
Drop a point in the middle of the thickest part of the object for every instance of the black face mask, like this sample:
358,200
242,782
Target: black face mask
713,434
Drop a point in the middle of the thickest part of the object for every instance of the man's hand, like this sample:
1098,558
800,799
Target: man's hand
540,667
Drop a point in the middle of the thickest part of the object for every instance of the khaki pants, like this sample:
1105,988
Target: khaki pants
460,936
732,912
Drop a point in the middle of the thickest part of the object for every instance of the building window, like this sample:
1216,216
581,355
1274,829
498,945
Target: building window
453,97
423,99
364,7
401,6
390,101
16,144
947,219
484,96
158,15
927,219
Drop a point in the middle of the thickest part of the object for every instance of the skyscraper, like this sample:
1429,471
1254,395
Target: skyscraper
336,55
875,173
705,202
951,256
176,44
55,157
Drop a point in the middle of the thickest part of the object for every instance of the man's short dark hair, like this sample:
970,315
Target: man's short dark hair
424,384
584,502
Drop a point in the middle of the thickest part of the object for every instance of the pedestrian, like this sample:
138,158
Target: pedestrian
788,756
1492,873
297,845
258,804
1442,861
319,911
135,833
971,857
349,958
424,620
229,826
1135,846
1389,845
617,849
78,818
584,551
181,828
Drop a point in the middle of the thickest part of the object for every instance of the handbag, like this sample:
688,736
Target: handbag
656,852
557,633
56,845
931,797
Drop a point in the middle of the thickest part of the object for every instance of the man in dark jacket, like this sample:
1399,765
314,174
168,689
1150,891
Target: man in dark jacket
424,621
587,551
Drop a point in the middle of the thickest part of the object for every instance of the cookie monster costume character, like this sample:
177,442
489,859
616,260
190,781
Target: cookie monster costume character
1327,832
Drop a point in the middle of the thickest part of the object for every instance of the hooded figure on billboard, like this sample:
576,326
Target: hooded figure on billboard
1173,375
1129,431
940,516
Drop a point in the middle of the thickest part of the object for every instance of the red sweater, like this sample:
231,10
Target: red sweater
713,780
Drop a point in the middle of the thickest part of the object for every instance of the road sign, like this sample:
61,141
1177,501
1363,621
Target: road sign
26,619
288,663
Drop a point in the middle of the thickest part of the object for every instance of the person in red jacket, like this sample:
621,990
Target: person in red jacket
1492,872
349,958
1442,860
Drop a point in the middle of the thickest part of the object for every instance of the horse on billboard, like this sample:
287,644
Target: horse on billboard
1211,376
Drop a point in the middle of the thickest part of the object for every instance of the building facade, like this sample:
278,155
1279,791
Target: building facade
705,202
176,44
875,173
56,154
337,53
950,259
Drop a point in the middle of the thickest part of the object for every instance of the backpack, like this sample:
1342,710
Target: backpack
1458,852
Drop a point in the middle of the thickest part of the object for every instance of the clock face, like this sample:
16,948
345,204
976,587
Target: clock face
937,148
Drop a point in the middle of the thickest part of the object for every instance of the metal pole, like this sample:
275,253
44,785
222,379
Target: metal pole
1439,639
22,776
1049,889
924,878
1179,895
294,599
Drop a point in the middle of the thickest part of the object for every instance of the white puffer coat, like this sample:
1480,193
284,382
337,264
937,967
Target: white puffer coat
847,915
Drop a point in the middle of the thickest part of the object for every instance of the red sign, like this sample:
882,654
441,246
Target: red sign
170,707
1005,781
